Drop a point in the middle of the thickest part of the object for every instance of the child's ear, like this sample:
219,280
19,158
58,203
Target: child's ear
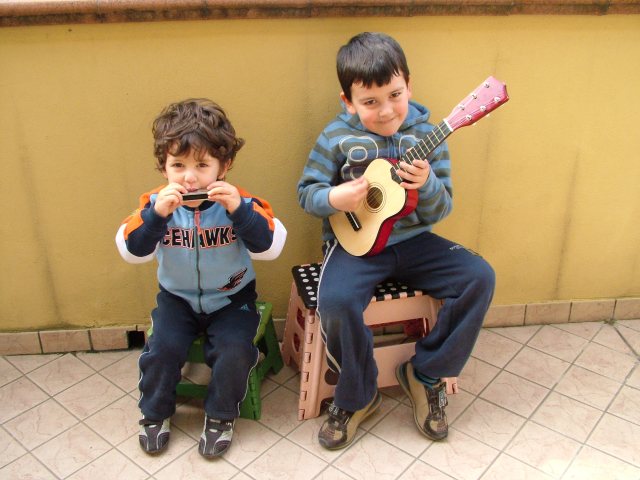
223,172
350,108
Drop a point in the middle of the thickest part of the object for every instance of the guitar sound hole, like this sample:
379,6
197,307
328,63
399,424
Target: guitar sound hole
375,198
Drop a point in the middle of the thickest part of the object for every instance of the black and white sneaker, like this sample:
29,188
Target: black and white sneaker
154,435
216,437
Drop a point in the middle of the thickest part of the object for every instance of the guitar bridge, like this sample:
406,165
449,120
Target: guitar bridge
353,221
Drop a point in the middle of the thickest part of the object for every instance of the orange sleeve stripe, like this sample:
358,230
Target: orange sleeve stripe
263,209
134,220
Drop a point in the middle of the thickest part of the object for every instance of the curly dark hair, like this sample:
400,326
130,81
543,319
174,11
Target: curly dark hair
196,124
368,58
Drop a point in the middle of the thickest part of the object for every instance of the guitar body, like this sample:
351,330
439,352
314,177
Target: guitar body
385,203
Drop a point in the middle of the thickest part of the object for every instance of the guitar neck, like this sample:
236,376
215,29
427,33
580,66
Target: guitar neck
422,149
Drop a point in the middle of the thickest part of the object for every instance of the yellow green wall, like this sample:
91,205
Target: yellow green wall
547,188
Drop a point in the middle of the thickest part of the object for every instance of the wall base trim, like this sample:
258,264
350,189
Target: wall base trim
125,337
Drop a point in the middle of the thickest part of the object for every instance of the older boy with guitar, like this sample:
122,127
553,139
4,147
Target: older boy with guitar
379,176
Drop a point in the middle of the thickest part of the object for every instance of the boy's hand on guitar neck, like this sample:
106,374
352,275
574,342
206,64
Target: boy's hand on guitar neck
348,196
415,175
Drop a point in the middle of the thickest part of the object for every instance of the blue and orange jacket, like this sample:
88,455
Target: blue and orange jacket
204,254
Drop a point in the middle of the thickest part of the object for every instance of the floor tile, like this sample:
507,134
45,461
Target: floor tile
489,423
593,464
605,361
113,465
89,395
10,450
124,373
617,437
567,416
558,343
8,372
100,360
60,374
585,330
538,367
250,440
371,457
519,334
331,473
609,336
26,467
421,471
400,429
546,450
627,405
193,466
285,460
19,396
515,393
631,337
633,379
460,455
117,421
458,403
40,424
633,324
26,363
280,411
495,349
476,375
588,387
189,417
506,467
71,450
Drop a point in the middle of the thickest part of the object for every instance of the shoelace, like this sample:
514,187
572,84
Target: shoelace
338,416
150,423
219,425
437,401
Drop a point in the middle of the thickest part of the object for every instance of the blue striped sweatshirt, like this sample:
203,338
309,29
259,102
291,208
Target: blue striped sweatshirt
344,150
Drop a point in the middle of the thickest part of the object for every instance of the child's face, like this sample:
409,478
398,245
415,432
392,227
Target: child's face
381,109
194,171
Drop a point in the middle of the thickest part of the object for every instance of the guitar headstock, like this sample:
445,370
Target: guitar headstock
488,96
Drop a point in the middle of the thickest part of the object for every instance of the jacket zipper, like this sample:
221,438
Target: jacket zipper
196,240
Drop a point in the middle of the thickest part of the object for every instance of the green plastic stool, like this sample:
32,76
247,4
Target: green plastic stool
271,360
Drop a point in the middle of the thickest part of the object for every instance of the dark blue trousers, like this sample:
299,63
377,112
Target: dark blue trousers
228,350
441,268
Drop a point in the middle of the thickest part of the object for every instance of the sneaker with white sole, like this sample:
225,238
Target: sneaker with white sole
154,435
216,437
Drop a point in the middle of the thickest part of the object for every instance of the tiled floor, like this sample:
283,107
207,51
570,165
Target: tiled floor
537,402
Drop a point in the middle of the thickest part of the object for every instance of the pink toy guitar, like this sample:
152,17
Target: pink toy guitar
366,230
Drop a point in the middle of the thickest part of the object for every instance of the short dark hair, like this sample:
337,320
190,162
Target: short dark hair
195,124
368,58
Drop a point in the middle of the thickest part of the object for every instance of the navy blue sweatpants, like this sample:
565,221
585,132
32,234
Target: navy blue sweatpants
228,350
441,268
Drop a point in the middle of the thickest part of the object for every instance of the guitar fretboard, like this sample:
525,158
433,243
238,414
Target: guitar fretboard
422,149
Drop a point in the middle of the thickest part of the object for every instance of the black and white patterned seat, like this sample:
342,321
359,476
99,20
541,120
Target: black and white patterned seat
307,277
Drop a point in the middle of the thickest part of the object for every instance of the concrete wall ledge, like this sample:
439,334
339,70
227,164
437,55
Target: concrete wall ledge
43,12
